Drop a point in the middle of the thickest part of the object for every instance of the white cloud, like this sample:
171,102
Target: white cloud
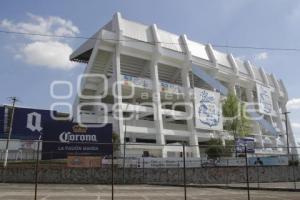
293,18
296,125
296,130
47,26
241,58
261,56
52,52
293,104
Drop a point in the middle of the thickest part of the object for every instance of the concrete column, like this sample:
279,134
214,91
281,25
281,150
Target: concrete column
223,140
157,103
117,76
231,87
277,109
276,84
188,101
233,64
157,110
278,114
133,139
210,51
250,69
190,111
134,114
264,76
255,124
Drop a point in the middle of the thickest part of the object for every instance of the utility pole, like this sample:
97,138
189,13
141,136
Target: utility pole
287,131
13,100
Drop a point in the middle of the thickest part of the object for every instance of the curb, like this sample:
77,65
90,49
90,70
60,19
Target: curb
229,187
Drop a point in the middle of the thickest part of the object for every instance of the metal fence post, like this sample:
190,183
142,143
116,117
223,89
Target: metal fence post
247,173
124,161
112,172
200,162
36,170
4,169
184,171
227,168
143,171
293,168
178,172
257,174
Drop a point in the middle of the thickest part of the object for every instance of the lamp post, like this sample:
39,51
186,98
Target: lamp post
287,131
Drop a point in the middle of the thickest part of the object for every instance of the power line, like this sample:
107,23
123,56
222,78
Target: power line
151,43
257,48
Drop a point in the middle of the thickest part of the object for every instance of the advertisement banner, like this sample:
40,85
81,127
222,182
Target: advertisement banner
208,112
264,97
63,138
137,82
2,113
247,142
170,88
29,123
147,83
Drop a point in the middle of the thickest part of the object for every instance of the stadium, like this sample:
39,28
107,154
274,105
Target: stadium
158,75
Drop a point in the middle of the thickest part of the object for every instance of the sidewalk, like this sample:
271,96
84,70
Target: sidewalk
284,186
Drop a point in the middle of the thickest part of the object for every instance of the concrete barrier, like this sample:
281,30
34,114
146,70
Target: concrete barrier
218,175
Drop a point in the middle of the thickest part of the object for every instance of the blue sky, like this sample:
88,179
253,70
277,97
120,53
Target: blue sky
27,73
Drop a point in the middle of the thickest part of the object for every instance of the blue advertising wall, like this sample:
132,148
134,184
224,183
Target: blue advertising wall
2,112
63,138
29,123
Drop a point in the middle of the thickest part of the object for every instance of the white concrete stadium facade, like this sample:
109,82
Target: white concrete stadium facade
127,51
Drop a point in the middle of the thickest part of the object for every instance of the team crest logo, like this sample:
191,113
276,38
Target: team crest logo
265,100
209,113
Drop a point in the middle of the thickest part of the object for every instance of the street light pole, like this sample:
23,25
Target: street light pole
287,131
14,100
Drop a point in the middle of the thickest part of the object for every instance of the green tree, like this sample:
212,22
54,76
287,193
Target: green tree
236,121
116,142
216,149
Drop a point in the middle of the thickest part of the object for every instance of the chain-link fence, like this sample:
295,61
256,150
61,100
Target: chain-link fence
169,166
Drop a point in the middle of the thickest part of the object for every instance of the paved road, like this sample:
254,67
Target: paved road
133,192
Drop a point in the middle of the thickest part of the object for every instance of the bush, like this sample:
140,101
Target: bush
216,149
214,152
293,162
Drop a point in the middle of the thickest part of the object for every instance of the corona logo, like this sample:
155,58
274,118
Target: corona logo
67,137
79,129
